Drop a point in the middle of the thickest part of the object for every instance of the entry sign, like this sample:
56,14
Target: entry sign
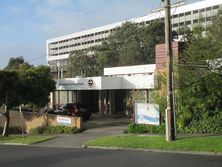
147,113
63,120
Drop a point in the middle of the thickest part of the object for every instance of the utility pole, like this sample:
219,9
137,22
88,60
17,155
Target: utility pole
170,124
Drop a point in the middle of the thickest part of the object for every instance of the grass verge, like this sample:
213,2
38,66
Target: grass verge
204,143
17,139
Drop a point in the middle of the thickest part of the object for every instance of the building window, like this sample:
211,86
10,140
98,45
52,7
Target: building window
142,23
195,11
175,16
187,13
175,25
195,21
202,10
209,8
188,23
181,14
216,7
181,24
147,22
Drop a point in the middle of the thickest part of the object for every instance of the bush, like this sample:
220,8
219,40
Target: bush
55,130
140,128
13,130
209,123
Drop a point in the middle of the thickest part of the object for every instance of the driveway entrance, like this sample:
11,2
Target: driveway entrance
97,126
103,121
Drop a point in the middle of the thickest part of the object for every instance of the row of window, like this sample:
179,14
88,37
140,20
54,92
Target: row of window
186,23
79,44
196,11
141,23
195,21
149,21
90,35
84,36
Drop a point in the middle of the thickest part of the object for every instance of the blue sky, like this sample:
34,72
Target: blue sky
25,25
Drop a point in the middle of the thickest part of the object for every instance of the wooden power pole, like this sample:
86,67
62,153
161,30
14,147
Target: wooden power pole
170,124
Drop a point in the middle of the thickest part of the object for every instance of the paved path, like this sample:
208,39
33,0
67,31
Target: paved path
95,127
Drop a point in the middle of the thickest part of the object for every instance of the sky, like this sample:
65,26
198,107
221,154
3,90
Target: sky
25,25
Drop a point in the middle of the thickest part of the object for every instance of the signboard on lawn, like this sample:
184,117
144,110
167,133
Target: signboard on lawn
147,113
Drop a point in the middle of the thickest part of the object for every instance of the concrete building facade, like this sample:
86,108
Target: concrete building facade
108,90
59,49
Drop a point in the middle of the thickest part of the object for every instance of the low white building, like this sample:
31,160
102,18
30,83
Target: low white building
108,89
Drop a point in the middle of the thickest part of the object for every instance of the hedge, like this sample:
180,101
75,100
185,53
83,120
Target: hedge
141,128
55,130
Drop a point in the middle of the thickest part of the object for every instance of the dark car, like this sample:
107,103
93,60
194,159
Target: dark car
74,109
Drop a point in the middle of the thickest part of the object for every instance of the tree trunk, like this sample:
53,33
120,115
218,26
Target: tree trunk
7,121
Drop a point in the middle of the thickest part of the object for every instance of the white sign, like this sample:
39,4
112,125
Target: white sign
80,83
63,120
147,113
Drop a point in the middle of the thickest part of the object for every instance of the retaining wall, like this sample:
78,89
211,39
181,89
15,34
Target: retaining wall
31,120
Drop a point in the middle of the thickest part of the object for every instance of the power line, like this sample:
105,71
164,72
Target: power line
36,58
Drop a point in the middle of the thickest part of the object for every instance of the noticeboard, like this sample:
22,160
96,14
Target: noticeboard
146,113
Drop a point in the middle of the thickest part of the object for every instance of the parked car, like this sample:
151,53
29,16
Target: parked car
74,109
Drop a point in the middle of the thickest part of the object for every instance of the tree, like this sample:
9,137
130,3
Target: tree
9,97
26,85
105,56
150,36
81,64
129,44
14,63
36,85
200,79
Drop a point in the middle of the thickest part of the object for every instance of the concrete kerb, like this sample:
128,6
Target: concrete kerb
153,150
15,144
128,149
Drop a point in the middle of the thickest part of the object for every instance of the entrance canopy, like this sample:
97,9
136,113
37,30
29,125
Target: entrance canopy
127,77
107,83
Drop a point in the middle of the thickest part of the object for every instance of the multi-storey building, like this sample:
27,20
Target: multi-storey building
59,49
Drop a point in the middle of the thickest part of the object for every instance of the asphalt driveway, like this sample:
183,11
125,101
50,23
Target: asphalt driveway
95,127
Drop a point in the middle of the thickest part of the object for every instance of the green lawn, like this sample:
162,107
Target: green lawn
205,143
24,140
